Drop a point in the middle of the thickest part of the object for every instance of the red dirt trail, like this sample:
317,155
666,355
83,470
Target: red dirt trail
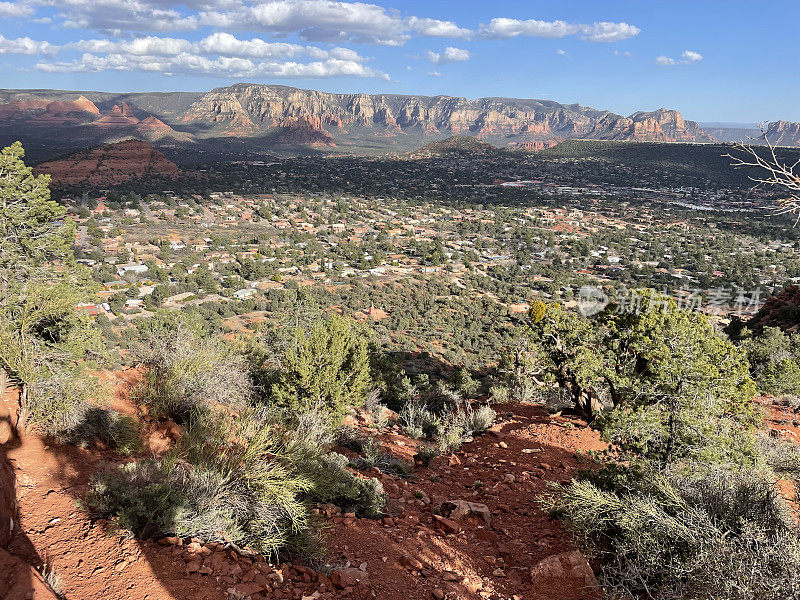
408,555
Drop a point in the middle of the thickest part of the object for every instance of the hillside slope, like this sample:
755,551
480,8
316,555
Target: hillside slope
108,164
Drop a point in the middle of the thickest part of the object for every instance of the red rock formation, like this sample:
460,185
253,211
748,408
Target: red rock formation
57,112
110,164
303,132
119,116
784,133
535,145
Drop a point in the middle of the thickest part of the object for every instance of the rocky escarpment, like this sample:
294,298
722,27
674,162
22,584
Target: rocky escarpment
109,164
268,117
784,133
243,109
781,310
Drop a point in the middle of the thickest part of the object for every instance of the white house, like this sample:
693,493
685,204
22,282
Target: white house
244,293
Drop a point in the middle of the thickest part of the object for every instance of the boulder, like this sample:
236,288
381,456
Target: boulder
462,509
571,566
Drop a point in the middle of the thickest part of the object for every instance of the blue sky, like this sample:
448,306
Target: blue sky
714,60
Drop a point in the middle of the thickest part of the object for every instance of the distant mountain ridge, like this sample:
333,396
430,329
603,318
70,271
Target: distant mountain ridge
264,117
246,109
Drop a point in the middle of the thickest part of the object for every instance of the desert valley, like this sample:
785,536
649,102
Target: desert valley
429,334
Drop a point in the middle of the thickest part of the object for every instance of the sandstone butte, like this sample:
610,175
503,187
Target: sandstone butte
108,164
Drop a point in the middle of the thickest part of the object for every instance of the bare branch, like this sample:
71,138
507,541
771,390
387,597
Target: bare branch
778,174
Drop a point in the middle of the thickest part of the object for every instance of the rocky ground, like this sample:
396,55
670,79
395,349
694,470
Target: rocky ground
467,526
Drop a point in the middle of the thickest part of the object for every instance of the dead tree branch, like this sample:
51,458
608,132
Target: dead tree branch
774,171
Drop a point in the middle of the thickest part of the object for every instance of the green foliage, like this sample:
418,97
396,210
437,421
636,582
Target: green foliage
688,510
186,373
775,361
327,364
570,349
426,453
678,390
417,421
143,497
463,423
334,484
375,458
465,384
42,337
65,407
722,534
660,351
33,230
520,367
241,486
227,481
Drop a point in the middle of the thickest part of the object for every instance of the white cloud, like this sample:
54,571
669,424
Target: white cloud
15,9
222,44
434,73
609,32
313,20
449,55
144,46
229,67
317,20
623,53
503,28
25,45
563,53
437,28
604,31
121,16
688,57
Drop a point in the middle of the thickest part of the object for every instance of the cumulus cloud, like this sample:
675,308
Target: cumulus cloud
437,28
147,33
314,20
434,73
223,44
604,31
449,55
120,16
223,66
503,28
623,53
144,46
219,54
25,45
608,32
688,57
15,9
563,53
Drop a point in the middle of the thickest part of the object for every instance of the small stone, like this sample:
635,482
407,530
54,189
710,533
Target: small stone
410,563
193,566
170,541
446,524
438,594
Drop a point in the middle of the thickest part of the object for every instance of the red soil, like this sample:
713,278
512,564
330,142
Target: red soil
467,559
